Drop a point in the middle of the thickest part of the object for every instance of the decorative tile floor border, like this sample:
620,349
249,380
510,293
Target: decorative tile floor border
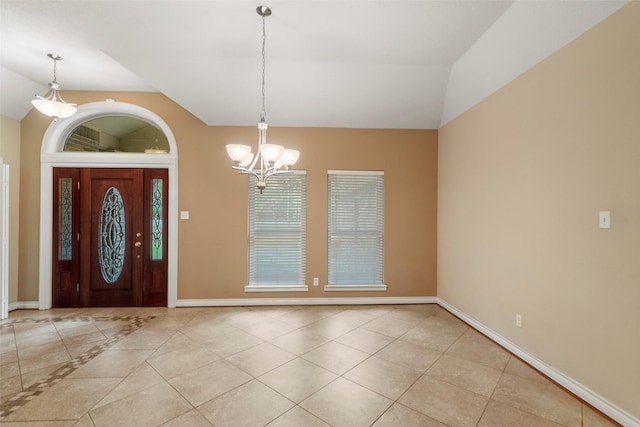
39,387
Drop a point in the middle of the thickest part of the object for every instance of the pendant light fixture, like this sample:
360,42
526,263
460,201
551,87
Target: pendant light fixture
273,159
53,105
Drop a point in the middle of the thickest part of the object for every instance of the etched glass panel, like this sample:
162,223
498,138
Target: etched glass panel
156,219
65,251
111,235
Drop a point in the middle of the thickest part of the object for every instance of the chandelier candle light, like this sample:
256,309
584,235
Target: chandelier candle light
274,159
53,105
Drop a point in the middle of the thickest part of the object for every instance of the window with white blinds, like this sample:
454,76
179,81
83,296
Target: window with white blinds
277,233
355,230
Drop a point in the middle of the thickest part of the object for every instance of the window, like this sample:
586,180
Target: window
156,219
278,234
65,248
355,230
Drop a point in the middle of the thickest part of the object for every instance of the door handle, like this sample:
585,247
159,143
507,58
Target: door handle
137,244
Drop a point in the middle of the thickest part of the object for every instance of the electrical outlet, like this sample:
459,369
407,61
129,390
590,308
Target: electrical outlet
605,219
519,320
316,282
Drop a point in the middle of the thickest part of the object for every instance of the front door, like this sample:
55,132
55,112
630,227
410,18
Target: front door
110,237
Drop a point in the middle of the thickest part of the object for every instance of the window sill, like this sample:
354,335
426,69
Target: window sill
276,288
361,288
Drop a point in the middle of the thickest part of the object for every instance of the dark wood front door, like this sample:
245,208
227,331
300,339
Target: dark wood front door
110,237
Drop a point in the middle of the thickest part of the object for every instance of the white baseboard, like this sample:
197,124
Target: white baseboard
303,301
573,386
23,305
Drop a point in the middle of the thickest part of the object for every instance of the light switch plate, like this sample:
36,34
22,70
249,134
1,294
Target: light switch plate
184,214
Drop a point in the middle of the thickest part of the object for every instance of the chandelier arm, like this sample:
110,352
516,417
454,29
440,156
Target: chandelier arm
262,139
264,168
58,97
271,172
240,169
255,160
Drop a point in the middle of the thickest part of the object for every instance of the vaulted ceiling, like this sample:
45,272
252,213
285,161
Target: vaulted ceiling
371,64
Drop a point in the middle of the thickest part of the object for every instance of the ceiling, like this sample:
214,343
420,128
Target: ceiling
360,64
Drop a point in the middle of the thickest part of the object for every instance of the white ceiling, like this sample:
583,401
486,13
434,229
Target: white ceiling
372,64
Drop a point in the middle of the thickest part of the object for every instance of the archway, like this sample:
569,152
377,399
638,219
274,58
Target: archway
52,155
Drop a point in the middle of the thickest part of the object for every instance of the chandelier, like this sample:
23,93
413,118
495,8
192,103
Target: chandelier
272,159
53,105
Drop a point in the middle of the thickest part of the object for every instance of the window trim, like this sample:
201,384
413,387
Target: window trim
276,288
352,288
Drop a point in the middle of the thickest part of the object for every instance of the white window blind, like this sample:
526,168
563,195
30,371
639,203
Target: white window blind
355,229
277,233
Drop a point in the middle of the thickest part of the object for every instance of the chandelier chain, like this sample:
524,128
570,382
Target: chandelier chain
55,62
263,113
273,159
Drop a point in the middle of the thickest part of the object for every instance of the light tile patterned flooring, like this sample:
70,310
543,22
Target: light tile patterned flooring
401,365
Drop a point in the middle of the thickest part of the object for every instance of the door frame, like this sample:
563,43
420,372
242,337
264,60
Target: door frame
52,155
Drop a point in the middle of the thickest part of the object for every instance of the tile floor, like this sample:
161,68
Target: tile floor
412,365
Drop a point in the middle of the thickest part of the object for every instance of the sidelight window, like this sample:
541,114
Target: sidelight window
65,250
156,219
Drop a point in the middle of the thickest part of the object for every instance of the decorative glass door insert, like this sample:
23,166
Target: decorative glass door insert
112,235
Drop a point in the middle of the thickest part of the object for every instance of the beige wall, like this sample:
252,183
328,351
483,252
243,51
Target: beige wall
522,178
10,153
212,243
32,129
